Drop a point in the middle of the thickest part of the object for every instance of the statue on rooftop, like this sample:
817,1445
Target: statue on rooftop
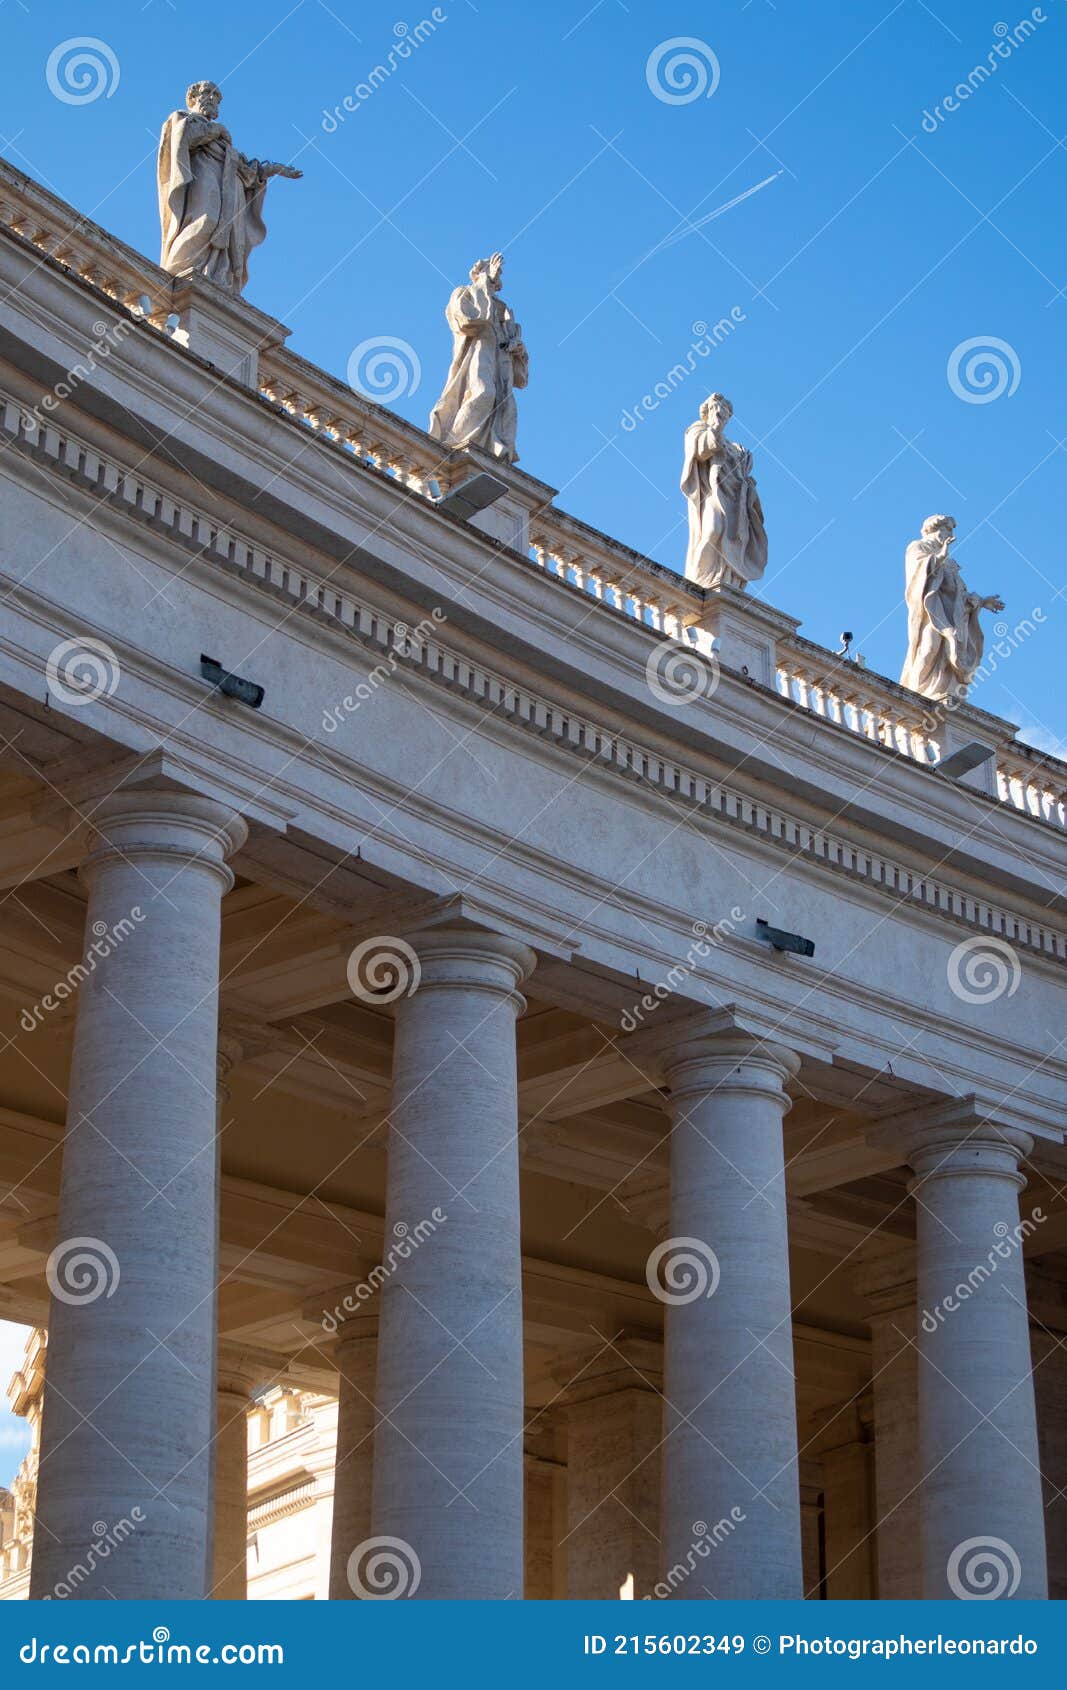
727,539
210,195
945,639
489,360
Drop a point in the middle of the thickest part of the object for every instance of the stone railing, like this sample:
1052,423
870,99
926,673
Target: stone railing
856,698
1033,781
579,557
106,264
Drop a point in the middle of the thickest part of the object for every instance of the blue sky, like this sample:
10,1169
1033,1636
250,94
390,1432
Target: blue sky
880,247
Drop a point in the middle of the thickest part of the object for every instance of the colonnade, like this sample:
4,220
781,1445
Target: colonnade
140,1414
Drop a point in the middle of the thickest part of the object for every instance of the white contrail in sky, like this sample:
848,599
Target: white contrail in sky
690,228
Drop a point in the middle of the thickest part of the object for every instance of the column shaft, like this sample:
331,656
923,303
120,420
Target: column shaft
730,1417
356,1354
230,1580
448,1459
130,1413
980,1501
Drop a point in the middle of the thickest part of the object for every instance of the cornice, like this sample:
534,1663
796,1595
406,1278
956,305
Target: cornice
535,715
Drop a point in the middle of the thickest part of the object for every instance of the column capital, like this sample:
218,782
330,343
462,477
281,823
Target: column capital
702,1049
631,1363
646,1197
955,1136
241,1370
349,1310
399,953
162,822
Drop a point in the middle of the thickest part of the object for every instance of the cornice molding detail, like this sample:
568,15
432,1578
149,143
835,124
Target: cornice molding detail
198,534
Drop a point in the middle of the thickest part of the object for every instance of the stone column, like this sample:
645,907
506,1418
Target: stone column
889,1285
614,1430
130,1411
356,1355
235,1383
1047,1291
730,1451
811,1528
546,1508
980,1504
848,1503
448,1457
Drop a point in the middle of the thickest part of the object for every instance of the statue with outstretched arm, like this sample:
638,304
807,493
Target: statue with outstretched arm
210,195
945,639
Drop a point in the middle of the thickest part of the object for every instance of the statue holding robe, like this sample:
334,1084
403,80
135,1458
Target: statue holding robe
489,360
210,195
727,539
945,640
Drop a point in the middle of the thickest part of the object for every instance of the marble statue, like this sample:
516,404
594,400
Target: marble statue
944,634
489,360
727,539
210,195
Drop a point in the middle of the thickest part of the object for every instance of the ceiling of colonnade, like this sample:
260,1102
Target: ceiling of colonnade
304,1127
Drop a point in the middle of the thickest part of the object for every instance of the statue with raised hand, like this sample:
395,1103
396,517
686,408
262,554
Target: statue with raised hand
945,640
210,195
